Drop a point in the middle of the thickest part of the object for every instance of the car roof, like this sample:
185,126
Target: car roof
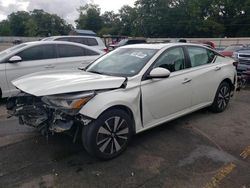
34,43
159,46
55,42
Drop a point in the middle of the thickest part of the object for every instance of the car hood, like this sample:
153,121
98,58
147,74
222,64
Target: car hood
227,53
64,81
244,50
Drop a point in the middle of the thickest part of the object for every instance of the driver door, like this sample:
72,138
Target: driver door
168,97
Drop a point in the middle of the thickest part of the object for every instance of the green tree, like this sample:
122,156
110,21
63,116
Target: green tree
128,18
5,28
17,21
44,24
34,23
89,18
111,23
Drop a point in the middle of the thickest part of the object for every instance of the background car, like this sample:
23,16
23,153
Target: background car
228,51
95,42
125,42
242,55
129,90
32,57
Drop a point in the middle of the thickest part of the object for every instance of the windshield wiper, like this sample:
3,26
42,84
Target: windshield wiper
82,68
96,72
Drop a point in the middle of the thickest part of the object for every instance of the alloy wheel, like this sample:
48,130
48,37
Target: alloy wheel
113,135
223,97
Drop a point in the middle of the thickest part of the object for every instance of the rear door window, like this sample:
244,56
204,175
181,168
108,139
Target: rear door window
83,40
200,56
79,40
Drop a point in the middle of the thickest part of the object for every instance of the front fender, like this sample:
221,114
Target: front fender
129,98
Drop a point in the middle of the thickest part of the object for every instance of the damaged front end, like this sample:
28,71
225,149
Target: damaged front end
50,114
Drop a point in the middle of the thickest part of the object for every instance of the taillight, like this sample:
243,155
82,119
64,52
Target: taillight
106,50
235,63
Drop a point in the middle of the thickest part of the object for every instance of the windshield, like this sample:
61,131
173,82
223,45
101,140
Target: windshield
9,50
122,62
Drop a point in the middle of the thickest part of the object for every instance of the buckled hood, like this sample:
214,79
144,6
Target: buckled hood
65,81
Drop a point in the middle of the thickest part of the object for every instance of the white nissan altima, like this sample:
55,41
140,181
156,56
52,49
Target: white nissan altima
125,92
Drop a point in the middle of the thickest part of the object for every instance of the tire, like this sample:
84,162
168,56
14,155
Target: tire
109,135
222,98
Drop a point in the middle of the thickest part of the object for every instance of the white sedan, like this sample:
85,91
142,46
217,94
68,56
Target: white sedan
38,56
130,90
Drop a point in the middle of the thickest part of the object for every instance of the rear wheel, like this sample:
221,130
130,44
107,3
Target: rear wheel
222,98
109,135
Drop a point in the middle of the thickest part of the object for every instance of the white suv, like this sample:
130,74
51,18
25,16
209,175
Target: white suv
127,91
95,42
33,57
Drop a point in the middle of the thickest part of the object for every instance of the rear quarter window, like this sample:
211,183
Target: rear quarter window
70,51
81,40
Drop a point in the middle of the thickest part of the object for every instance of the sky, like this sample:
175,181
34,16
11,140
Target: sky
64,8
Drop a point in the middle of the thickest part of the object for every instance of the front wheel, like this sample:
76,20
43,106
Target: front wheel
109,135
222,98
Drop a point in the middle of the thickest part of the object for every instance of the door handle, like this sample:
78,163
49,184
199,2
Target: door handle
49,66
187,80
217,68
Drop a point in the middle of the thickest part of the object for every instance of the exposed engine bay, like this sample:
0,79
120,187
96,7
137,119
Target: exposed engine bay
34,112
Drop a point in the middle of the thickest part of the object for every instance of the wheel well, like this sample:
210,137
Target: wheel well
127,110
229,82
0,93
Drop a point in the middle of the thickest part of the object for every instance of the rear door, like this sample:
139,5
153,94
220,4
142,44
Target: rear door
206,74
72,56
34,59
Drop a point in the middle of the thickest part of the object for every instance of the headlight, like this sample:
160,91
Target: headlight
68,101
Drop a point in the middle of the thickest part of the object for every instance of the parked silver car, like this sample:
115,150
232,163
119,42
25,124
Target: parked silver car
94,42
38,56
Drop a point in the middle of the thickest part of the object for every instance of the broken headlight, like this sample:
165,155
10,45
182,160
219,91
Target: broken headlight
68,101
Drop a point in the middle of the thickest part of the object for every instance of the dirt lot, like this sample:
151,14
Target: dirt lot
199,150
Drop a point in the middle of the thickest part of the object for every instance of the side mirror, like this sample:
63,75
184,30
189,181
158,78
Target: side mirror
159,73
15,59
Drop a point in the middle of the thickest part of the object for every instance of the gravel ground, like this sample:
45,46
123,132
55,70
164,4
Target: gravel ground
3,111
4,46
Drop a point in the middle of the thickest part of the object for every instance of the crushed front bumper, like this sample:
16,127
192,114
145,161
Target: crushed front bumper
32,111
